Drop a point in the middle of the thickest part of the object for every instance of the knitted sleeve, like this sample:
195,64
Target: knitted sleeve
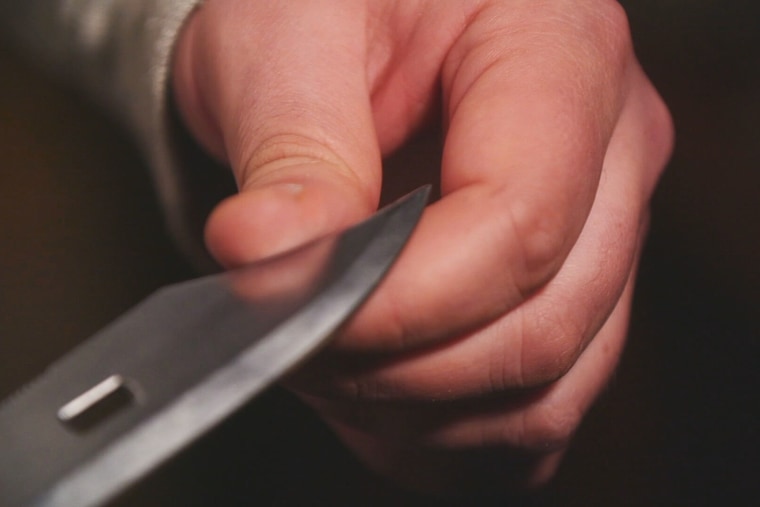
119,53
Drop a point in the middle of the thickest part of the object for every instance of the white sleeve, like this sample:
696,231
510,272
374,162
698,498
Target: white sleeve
119,52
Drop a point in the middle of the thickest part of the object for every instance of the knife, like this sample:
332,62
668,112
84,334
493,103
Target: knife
169,370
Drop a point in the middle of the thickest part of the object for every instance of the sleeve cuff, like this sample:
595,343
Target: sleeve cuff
189,182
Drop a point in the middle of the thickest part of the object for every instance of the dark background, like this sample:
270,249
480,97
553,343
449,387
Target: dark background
81,240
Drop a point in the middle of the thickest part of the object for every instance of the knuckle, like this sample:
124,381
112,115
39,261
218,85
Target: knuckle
551,343
662,132
603,29
614,15
541,241
613,25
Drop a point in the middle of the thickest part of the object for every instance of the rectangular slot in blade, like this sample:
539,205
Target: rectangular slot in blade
96,404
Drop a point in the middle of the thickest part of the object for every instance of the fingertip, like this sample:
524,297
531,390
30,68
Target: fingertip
267,220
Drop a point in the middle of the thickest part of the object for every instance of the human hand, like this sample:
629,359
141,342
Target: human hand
478,356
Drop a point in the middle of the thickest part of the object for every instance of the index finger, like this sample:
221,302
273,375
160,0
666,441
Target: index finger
531,94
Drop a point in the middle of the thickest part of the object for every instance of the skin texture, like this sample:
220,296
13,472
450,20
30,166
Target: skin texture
474,362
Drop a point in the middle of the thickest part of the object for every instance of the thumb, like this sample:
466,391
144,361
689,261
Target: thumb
281,93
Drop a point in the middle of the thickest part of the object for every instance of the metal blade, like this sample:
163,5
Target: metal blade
169,370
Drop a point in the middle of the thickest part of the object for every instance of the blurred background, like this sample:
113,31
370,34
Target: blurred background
82,240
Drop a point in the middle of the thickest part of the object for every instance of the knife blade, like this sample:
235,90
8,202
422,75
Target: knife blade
165,373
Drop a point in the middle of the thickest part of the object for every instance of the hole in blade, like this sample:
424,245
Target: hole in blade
96,404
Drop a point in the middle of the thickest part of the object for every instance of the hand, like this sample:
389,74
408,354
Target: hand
477,358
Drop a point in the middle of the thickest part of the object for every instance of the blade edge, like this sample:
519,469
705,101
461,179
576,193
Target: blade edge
201,408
